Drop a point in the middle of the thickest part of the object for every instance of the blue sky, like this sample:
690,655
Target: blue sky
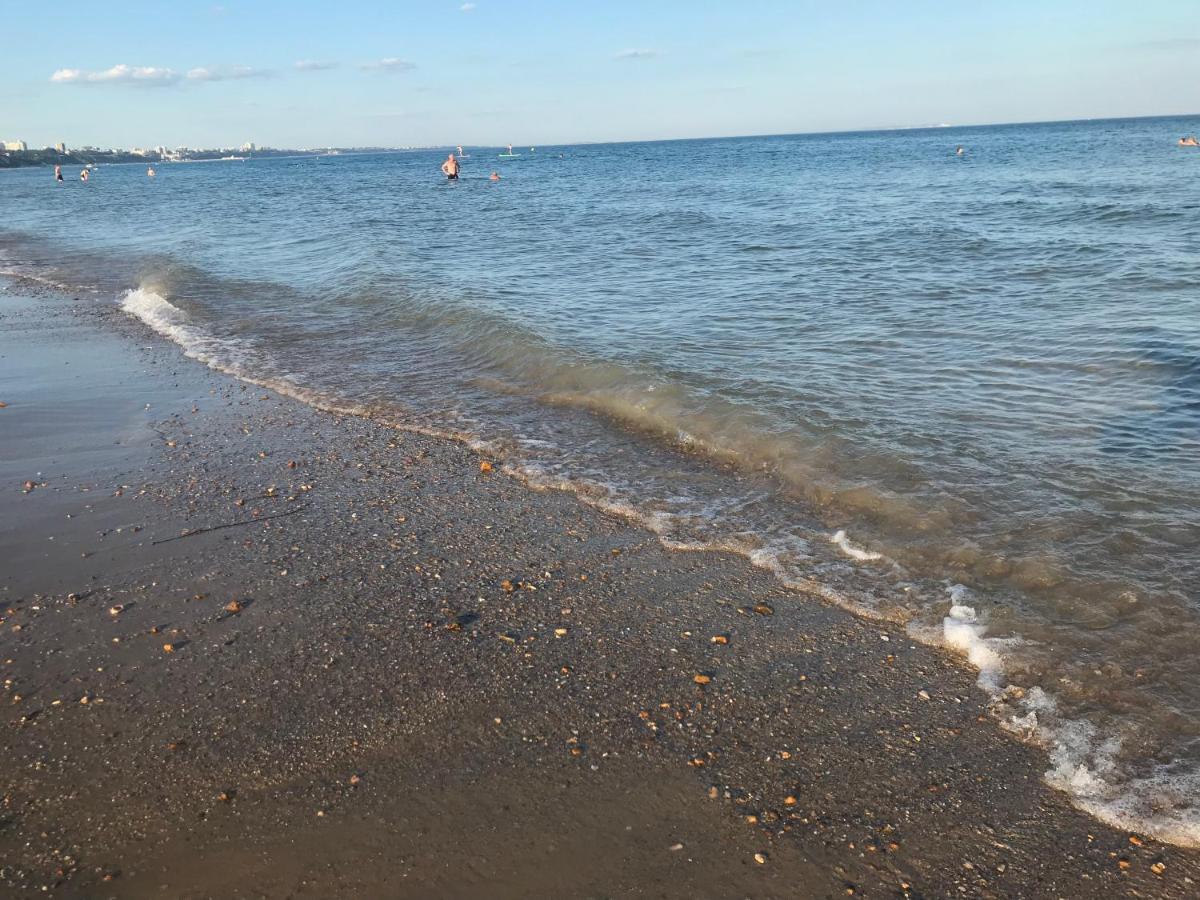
426,72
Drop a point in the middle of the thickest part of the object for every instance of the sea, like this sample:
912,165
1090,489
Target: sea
958,392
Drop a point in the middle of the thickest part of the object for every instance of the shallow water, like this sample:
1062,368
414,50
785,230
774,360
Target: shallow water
959,391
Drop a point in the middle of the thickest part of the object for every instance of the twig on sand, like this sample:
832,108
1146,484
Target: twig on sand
196,531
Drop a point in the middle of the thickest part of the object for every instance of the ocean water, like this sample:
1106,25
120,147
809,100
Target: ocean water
958,392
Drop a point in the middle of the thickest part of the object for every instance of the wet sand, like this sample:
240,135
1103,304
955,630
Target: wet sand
407,677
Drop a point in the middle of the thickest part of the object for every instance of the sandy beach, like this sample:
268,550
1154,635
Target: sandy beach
253,649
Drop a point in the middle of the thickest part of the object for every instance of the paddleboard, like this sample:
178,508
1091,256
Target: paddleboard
508,155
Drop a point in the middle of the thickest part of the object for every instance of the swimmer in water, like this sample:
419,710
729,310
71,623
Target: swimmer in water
495,176
83,176
959,151
58,173
150,171
1189,141
450,168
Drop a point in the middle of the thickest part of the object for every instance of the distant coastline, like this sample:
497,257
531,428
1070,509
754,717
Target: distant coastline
50,157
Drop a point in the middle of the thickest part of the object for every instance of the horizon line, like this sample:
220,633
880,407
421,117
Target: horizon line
766,134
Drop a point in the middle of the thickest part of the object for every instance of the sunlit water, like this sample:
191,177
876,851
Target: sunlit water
963,392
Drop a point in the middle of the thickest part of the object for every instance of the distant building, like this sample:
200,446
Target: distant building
15,146
60,147
248,147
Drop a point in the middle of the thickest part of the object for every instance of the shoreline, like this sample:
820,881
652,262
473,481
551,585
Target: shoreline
375,639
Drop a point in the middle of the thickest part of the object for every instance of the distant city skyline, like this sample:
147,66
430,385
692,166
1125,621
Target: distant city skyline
304,74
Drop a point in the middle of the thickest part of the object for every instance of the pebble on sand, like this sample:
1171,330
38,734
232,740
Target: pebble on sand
760,858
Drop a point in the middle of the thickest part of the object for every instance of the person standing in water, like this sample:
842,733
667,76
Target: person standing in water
83,176
959,151
150,171
450,168
58,173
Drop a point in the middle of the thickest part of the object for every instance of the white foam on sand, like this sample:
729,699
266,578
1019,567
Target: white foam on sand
1083,758
229,357
852,551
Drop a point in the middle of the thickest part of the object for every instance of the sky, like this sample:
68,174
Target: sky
315,73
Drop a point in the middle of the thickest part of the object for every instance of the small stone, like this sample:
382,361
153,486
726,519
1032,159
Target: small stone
789,800
760,858
675,847
713,793
924,695
28,486
233,607
355,779
507,586
764,609
701,679
116,609
1158,868
1122,864
719,639
560,632
225,796
1135,840
751,819
485,467
168,648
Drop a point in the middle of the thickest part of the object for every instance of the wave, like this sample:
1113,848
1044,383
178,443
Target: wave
1084,759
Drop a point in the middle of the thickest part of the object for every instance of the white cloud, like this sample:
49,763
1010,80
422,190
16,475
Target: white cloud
638,54
468,7
118,73
313,65
390,64
225,73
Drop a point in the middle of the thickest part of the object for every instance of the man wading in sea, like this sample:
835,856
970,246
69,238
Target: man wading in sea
450,168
